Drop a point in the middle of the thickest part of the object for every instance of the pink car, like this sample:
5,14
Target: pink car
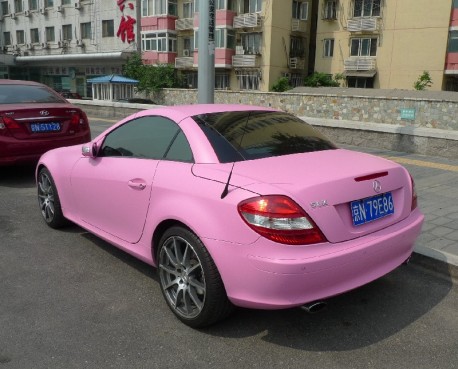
235,205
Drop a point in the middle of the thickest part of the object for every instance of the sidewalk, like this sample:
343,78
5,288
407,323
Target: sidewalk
436,181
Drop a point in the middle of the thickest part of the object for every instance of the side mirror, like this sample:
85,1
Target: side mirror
90,150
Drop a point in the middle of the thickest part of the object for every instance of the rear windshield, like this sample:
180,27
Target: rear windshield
247,135
20,94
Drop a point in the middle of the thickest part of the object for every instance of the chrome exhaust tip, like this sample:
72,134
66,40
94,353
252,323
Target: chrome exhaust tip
314,307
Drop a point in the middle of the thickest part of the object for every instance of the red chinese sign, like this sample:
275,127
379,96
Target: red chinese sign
126,26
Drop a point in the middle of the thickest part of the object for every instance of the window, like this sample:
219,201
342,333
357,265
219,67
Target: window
108,28
148,138
300,10
251,43
20,37
86,30
5,8
221,81
66,2
34,36
190,79
18,6
249,80
33,4
366,8
7,38
251,6
243,135
363,47
23,94
455,4
49,3
50,34
188,10
224,4
67,32
330,9
360,82
296,80
453,42
161,42
328,48
188,44
224,38
159,7
297,47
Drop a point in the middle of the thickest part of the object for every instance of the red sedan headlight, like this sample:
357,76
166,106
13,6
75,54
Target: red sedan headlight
280,219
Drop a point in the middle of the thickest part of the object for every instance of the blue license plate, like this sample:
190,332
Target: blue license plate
372,208
45,127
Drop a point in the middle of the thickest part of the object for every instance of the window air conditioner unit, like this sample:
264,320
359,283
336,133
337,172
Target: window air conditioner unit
29,46
13,15
186,52
60,8
79,43
43,11
44,45
77,5
26,13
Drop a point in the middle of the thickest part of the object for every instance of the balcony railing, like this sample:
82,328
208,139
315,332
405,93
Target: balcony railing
362,24
359,64
298,25
297,63
184,24
239,61
184,62
247,20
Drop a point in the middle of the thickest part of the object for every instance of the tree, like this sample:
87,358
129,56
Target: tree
151,78
322,80
281,85
423,81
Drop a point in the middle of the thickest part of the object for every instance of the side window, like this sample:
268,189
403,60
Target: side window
180,150
146,137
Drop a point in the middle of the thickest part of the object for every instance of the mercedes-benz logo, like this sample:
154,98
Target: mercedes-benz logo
44,112
377,186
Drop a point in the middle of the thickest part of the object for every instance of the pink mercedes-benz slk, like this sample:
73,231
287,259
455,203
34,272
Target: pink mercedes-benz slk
235,205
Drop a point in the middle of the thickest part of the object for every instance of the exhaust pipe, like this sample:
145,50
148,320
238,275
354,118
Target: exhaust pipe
314,307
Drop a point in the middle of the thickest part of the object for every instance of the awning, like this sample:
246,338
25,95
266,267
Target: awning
113,78
360,73
73,57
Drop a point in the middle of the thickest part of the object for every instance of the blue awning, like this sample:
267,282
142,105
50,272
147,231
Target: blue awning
113,78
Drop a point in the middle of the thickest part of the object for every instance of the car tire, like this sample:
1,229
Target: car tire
189,279
48,200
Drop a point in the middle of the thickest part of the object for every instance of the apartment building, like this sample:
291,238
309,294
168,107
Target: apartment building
388,44
372,43
63,43
256,41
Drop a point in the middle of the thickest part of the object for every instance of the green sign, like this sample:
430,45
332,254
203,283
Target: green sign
408,113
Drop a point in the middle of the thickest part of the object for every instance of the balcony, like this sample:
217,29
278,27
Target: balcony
363,25
298,25
247,20
185,62
246,61
184,24
297,63
362,63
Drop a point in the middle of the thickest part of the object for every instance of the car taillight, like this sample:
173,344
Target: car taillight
280,219
6,124
78,120
414,195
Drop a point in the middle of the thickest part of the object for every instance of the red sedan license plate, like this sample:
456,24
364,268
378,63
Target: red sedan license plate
372,208
45,127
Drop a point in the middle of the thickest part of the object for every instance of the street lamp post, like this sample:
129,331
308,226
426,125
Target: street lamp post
206,49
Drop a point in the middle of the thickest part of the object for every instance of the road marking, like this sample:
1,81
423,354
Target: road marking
426,164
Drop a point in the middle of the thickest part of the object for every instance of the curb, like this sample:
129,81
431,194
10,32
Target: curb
434,266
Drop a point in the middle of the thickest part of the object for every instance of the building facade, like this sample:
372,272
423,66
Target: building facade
388,44
384,44
63,43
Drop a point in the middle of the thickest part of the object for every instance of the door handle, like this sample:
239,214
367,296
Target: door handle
137,184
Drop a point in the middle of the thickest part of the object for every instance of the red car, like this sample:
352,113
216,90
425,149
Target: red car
35,119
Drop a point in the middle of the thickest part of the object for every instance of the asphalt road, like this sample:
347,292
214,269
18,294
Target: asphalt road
70,300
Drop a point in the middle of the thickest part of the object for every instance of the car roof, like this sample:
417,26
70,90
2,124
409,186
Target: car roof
180,112
18,82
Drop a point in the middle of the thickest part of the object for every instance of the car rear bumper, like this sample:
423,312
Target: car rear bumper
272,276
13,151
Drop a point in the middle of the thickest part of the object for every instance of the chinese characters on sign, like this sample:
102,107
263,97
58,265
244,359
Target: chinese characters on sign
126,26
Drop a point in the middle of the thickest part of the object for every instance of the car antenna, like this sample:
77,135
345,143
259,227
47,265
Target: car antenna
226,187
